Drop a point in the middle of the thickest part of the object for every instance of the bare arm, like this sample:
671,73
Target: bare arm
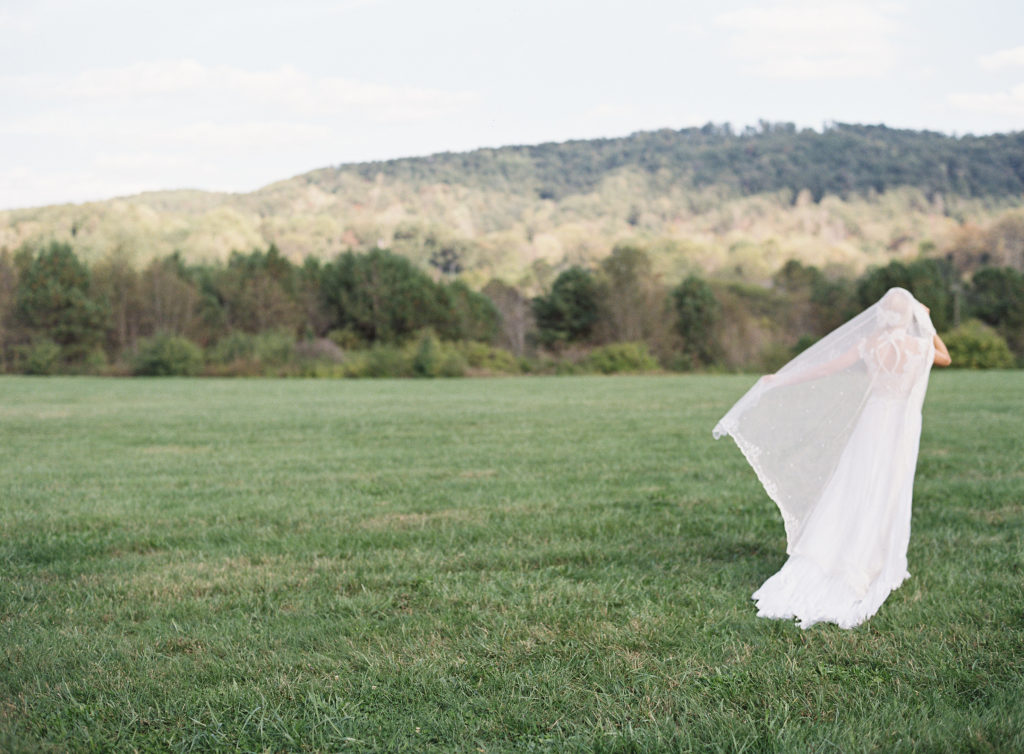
941,352
823,370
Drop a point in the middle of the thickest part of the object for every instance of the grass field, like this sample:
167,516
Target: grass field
536,564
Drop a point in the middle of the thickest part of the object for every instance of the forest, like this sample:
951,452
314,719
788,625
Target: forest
697,249
842,159
377,314
706,201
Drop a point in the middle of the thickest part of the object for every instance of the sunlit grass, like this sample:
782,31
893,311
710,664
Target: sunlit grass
517,564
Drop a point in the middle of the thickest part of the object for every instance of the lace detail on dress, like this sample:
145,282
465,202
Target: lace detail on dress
894,359
752,453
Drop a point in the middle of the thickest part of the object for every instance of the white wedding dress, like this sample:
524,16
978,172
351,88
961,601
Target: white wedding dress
834,439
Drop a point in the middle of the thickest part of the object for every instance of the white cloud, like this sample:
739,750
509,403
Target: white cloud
28,187
286,89
164,124
242,136
12,20
809,39
97,128
114,162
1008,103
312,10
1012,58
619,118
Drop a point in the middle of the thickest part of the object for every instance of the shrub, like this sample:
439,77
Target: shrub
802,344
386,361
621,357
357,364
319,350
167,355
42,357
452,364
240,353
95,362
235,346
275,347
346,339
433,358
487,358
774,356
682,362
975,345
322,369
427,361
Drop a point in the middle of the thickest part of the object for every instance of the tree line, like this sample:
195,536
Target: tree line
740,326
840,160
376,313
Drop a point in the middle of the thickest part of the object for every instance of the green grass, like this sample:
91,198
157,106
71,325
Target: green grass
530,564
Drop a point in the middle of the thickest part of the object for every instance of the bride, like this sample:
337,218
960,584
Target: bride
833,436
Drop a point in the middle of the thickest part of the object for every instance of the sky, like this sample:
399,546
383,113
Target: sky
108,98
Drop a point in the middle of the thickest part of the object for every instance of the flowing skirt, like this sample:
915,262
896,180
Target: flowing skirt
852,550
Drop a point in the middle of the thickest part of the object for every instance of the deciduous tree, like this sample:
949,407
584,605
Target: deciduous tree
569,312
516,315
53,300
381,296
697,314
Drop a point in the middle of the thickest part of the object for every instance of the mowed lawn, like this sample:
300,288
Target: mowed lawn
532,564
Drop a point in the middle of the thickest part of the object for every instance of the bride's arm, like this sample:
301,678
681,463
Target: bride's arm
822,370
941,352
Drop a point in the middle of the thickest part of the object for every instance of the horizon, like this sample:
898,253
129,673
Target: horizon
111,100
736,131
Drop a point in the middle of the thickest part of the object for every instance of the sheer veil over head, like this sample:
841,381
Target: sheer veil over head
794,426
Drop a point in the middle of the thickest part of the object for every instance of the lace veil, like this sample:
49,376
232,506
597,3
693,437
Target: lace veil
794,426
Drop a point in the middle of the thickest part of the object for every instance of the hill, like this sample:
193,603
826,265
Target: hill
842,160
700,199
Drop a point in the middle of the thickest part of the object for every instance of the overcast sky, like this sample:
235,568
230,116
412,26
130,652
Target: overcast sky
100,99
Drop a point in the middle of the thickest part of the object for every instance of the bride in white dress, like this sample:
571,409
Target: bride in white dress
833,437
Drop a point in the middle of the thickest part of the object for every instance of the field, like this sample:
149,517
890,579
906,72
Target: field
534,564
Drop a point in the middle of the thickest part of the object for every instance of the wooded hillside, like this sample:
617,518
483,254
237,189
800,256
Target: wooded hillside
842,160
701,200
